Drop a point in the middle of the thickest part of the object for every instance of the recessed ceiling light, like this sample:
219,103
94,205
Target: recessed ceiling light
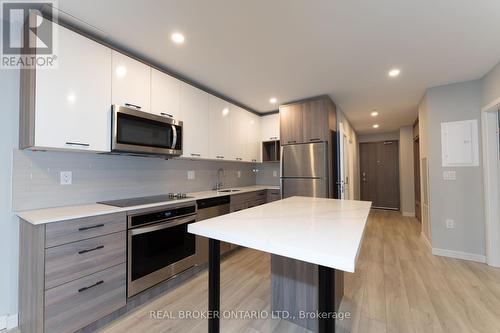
394,72
375,126
374,114
177,38
273,100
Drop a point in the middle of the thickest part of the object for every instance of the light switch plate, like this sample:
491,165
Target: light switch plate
66,178
239,174
450,224
191,175
275,173
449,175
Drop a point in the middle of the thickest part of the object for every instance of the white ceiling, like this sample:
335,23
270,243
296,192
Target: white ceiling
292,49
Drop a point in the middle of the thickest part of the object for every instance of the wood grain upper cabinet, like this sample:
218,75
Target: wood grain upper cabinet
195,117
291,130
270,127
165,95
131,83
72,108
315,120
219,126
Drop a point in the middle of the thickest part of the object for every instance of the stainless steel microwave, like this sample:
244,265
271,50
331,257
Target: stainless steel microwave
139,132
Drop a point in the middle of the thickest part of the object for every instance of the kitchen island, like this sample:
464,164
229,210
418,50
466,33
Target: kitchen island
325,233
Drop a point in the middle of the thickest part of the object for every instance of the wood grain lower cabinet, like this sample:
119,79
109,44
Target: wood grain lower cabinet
273,195
71,273
78,303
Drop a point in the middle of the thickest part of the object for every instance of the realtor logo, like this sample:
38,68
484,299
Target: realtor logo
28,35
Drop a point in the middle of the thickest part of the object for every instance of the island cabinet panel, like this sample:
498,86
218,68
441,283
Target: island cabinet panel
72,272
294,286
68,107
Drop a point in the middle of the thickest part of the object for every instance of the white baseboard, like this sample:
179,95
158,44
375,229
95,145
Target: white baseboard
408,214
459,255
8,322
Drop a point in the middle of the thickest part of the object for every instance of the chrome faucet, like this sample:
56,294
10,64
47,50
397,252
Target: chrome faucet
218,184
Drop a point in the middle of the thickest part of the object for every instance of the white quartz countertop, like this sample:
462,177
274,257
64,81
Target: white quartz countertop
321,231
48,215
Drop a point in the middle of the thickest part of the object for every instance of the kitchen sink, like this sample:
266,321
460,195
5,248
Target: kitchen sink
228,191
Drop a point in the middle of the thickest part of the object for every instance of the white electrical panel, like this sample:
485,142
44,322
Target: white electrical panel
459,142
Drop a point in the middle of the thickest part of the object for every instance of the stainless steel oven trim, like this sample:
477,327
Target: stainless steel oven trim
119,147
164,224
159,209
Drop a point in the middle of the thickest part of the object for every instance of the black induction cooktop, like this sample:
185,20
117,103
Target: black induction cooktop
145,200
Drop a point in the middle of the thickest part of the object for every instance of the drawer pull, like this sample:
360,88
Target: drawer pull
138,107
90,250
91,227
92,286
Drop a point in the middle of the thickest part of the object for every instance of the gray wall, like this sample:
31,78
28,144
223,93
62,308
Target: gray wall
491,86
406,175
9,87
462,199
105,177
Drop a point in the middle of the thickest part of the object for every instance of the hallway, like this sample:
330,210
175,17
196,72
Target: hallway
399,286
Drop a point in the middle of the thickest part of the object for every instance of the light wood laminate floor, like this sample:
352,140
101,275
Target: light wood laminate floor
399,286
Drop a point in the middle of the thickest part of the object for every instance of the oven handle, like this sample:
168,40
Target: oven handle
162,226
174,143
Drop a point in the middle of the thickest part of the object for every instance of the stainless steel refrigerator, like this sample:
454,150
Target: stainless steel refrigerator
305,170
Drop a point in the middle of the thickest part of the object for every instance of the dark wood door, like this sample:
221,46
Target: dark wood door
379,168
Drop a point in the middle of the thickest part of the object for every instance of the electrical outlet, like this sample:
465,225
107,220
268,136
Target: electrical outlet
450,224
275,173
66,177
238,174
191,175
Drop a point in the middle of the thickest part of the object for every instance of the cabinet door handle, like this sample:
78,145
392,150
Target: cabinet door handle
195,154
91,227
315,139
220,156
138,107
273,138
238,158
92,286
292,141
166,114
254,160
90,250
78,144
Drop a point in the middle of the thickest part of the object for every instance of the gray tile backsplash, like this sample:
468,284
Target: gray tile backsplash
268,174
106,177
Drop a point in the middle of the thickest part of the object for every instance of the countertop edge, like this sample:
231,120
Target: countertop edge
62,213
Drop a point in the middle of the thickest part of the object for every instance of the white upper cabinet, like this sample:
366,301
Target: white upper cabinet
131,83
253,138
195,117
219,128
237,133
165,94
73,102
270,127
